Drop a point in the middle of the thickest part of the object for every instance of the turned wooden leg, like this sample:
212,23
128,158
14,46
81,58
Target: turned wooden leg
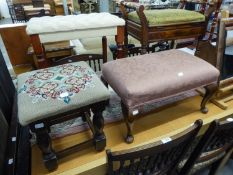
98,123
210,91
44,142
129,123
144,49
121,50
104,47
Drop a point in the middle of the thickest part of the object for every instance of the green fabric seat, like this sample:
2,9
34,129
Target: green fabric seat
167,17
47,92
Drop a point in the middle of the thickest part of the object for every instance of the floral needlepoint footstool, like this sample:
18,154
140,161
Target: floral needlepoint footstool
53,95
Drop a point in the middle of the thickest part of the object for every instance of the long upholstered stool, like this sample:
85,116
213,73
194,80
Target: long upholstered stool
56,94
148,78
60,28
150,26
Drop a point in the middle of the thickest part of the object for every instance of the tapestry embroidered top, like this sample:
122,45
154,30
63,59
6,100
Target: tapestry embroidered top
47,91
60,82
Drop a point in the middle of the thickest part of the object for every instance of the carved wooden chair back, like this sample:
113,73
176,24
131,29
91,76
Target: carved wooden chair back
161,157
95,61
214,145
17,137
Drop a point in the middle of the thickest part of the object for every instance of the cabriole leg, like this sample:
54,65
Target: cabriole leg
129,123
210,91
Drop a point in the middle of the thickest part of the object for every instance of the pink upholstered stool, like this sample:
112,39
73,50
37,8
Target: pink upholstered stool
148,78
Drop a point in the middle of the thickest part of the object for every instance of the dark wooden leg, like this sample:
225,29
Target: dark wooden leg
104,47
121,50
210,91
98,123
129,123
144,48
44,142
172,44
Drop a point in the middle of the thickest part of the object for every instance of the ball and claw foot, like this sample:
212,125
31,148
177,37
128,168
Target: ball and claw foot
204,110
129,139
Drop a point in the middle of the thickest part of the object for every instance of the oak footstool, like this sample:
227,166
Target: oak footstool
148,78
57,94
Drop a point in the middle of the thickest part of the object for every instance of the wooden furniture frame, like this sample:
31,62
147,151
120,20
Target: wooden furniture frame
129,117
217,140
37,3
53,51
43,62
161,157
148,34
17,153
214,55
31,11
42,127
129,113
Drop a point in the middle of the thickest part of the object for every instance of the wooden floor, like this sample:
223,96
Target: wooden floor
149,128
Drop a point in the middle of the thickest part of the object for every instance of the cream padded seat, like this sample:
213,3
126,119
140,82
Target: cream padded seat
46,92
58,28
151,77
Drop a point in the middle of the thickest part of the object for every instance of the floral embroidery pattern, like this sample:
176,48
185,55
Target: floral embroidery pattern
61,82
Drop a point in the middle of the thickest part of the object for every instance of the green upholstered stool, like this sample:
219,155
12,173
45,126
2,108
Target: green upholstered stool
53,95
168,17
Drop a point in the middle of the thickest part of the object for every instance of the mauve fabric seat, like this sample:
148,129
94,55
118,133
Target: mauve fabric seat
148,78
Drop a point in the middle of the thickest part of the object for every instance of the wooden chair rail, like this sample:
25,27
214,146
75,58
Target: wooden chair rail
94,60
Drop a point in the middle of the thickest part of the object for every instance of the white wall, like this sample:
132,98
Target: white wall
4,9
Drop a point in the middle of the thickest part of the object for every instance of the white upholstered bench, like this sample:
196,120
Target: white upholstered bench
59,28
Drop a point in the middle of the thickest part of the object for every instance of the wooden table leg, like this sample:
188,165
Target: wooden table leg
45,144
98,123
120,37
42,62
